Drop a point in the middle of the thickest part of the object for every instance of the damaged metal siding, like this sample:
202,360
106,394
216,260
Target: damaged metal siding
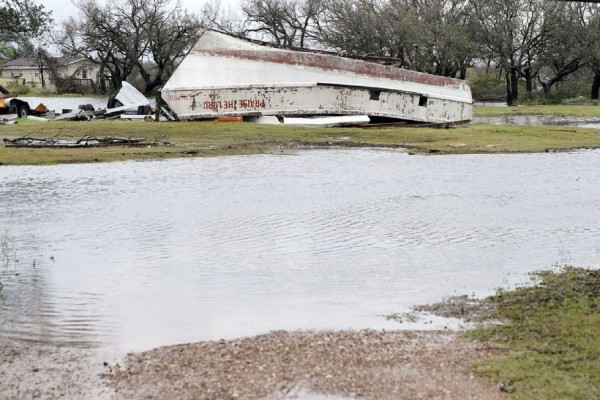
314,99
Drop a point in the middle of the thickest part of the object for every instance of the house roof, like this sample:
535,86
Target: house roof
21,62
33,63
67,60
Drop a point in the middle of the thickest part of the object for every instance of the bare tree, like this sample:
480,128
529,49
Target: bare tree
170,33
512,33
565,53
446,45
363,28
149,36
593,29
92,35
284,22
215,16
49,67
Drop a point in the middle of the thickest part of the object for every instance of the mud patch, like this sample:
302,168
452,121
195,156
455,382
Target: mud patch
468,309
463,308
31,371
280,365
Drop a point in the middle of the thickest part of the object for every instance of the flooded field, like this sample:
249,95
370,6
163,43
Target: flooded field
60,103
69,103
582,122
140,254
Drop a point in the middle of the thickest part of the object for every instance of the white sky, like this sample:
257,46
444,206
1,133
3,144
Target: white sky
61,9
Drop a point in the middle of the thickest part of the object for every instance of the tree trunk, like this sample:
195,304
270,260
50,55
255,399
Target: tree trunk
115,82
528,81
596,85
565,71
546,87
514,82
149,87
101,79
509,95
151,82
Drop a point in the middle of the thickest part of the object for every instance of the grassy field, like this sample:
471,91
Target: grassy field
551,341
204,139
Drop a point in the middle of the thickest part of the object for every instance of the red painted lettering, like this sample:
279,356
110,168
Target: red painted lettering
233,104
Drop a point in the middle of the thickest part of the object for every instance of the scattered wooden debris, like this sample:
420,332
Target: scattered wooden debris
8,119
136,117
129,101
34,118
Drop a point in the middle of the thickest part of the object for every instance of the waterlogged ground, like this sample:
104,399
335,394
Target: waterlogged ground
60,103
135,255
581,122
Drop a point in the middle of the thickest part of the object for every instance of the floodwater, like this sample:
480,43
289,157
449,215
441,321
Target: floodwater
69,103
134,255
59,104
582,122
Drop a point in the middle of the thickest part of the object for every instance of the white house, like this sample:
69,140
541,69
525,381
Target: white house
27,71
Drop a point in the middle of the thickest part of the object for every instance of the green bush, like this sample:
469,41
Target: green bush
20,90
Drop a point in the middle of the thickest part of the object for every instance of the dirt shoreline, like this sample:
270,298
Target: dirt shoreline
35,371
278,365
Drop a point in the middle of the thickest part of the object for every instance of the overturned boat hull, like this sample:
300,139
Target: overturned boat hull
227,76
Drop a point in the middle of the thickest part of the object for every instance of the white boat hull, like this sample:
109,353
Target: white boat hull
226,76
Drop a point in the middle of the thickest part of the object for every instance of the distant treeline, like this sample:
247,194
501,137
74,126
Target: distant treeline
530,45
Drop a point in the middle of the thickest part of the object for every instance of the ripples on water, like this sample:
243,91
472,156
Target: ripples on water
139,254
582,122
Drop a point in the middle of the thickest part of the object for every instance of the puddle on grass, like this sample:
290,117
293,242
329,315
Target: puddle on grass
69,103
582,122
136,255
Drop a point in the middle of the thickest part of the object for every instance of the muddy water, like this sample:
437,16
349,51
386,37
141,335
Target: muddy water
70,103
139,254
59,104
582,122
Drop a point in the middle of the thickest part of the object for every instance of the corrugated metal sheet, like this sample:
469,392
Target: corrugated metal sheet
128,95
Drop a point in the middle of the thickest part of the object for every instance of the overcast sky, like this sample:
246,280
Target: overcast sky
61,9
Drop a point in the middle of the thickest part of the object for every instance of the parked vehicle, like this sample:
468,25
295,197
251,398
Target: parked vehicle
10,104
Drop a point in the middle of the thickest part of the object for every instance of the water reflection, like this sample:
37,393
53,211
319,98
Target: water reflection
139,254
70,103
61,103
582,122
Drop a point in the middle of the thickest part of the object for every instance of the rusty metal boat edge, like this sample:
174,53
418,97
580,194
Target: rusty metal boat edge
229,76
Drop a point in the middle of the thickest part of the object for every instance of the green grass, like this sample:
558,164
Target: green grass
205,139
562,110
551,341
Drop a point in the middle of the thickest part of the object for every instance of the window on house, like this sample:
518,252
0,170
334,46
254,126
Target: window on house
84,74
12,74
37,74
